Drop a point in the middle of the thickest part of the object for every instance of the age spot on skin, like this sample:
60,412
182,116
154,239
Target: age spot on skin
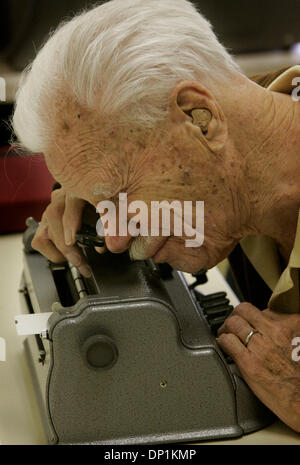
186,176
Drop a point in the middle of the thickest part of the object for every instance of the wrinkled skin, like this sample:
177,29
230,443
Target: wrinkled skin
94,160
246,169
266,363
248,182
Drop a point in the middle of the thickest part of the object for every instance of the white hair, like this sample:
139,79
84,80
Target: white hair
122,55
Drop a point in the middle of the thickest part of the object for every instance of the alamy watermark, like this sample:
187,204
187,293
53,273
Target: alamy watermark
164,219
2,90
296,351
296,91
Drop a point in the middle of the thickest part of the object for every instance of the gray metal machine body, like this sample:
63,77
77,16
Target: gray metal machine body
129,357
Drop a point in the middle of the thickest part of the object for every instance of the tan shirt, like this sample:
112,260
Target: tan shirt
262,251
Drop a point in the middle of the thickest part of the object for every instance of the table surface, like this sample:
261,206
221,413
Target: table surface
20,421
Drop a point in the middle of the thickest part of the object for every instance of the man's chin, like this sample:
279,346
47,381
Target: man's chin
178,257
185,268
178,264
186,264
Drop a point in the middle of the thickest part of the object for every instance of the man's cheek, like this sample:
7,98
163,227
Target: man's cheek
173,249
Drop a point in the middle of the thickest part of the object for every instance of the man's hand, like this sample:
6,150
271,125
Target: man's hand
266,363
55,236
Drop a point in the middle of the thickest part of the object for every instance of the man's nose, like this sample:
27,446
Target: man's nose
118,244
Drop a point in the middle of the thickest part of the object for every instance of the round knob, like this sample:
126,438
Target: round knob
100,352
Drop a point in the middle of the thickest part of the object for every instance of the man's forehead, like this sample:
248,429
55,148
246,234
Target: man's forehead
85,175
90,152
87,158
71,117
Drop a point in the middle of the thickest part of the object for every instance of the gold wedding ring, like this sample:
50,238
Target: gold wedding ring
253,331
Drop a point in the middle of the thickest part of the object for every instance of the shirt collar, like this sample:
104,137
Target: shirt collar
261,250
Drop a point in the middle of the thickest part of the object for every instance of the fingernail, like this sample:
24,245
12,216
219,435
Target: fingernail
68,237
85,270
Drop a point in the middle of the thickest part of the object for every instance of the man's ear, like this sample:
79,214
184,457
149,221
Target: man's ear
192,105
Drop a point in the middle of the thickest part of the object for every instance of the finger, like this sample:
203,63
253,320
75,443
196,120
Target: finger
237,326
253,316
74,255
71,253
72,218
45,246
232,345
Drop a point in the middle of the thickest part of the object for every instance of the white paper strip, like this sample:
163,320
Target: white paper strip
32,324
2,350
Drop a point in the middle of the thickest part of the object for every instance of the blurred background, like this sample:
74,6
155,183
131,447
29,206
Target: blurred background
264,35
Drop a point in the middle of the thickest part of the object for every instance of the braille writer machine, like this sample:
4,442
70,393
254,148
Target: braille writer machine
129,356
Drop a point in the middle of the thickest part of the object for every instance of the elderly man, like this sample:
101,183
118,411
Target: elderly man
139,97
